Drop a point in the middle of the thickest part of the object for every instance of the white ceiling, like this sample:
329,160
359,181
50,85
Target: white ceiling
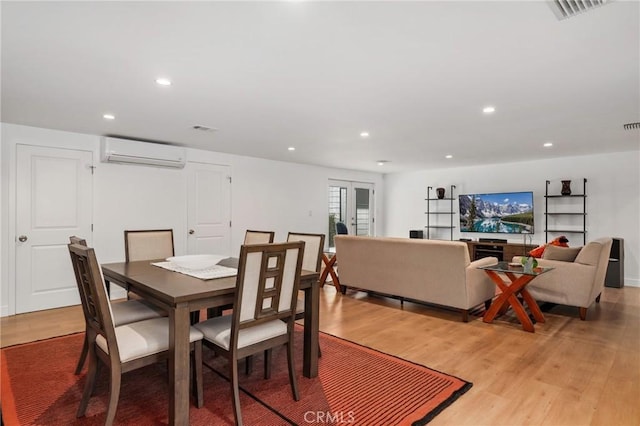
313,75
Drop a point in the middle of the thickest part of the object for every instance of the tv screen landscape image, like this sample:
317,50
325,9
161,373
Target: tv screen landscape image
501,213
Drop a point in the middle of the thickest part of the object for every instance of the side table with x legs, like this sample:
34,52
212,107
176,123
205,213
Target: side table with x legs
518,278
329,260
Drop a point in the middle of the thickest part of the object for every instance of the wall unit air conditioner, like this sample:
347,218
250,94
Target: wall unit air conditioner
115,150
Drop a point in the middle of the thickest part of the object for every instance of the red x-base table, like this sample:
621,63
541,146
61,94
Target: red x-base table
518,280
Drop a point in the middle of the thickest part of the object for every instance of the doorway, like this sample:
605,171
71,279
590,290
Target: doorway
54,190
351,203
209,208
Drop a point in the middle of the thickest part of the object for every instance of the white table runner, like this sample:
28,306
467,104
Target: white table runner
216,271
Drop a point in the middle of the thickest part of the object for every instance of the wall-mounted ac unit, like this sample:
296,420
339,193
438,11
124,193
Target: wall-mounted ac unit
115,150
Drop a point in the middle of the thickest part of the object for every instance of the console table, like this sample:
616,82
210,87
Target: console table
501,250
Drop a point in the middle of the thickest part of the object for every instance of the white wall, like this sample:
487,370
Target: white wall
279,196
265,194
613,197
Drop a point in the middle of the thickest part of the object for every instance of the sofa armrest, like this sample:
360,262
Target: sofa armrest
480,288
569,283
485,261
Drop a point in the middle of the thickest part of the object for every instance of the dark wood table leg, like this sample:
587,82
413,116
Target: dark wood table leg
508,296
311,330
179,365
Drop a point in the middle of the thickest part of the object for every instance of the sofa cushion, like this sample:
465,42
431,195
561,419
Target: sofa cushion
590,254
566,254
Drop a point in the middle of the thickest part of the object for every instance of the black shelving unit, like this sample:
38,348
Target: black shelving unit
570,215
439,213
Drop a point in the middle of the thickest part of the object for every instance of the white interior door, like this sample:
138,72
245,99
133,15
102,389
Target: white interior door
53,202
209,209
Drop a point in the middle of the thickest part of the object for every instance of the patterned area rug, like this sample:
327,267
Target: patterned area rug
356,385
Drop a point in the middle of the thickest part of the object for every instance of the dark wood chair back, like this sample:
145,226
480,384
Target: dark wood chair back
77,240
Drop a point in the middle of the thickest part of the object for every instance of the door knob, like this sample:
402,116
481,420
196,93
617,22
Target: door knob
22,238
191,232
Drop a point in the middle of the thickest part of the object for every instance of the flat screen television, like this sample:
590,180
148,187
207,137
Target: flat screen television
501,213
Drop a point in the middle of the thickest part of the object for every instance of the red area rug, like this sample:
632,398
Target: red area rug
356,385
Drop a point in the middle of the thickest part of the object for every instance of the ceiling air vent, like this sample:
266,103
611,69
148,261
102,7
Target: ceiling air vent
564,9
203,128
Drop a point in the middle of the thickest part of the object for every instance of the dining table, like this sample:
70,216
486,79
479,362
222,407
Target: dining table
180,294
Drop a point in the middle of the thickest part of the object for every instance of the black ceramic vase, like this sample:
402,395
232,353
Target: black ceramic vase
440,192
566,187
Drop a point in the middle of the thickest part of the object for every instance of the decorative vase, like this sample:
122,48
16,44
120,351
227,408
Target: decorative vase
566,187
440,192
529,263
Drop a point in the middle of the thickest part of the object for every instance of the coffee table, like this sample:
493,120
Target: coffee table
518,277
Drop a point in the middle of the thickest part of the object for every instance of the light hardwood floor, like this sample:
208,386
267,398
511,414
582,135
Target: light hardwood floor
569,372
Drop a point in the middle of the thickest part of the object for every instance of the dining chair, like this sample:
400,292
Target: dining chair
311,261
341,228
258,237
151,244
264,311
148,244
123,312
250,237
312,257
121,348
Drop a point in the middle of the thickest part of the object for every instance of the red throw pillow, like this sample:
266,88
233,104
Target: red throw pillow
561,241
537,252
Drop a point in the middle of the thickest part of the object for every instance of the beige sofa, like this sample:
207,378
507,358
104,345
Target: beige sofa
574,283
435,272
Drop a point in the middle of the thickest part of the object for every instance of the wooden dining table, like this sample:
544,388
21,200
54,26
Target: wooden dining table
180,294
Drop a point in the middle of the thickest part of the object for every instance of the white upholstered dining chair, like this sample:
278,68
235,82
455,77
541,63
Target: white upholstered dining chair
148,244
264,311
313,247
258,237
311,261
125,347
123,312
151,244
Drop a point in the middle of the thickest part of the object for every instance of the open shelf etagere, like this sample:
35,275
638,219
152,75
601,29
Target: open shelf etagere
439,213
579,214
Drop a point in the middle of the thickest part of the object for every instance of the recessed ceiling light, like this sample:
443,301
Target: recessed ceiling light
548,144
292,148
382,162
448,156
489,110
163,81
364,134
109,117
